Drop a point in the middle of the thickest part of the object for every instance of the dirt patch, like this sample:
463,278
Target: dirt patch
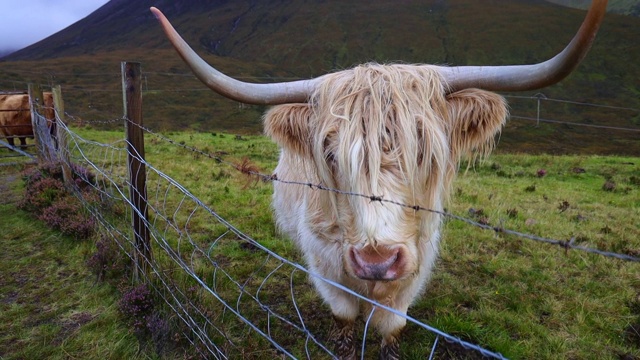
7,181
70,325
9,298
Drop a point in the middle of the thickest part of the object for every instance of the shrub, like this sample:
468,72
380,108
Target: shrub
41,192
67,216
47,197
138,309
82,176
107,261
159,331
136,306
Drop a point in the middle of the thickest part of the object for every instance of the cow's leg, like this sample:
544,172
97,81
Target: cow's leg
390,348
342,336
11,141
23,143
321,257
344,307
399,295
389,325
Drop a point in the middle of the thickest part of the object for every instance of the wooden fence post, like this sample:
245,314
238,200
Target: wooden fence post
132,99
36,97
61,135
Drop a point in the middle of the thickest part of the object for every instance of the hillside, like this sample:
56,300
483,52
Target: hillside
625,7
260,40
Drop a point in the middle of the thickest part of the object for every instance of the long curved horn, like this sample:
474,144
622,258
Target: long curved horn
494,78
249,93
531,77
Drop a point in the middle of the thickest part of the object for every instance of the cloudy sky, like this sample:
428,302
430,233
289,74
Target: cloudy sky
24,22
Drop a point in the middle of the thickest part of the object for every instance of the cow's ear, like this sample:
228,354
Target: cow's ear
288,125
475,118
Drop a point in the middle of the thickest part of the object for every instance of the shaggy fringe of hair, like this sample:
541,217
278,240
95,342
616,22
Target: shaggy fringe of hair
397,106
389,122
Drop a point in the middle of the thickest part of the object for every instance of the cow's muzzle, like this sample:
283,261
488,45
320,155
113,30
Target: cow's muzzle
386,263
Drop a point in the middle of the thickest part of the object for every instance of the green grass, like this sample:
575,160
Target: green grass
527,299
508,294
50,304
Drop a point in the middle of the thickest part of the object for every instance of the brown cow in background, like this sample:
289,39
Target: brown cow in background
15,117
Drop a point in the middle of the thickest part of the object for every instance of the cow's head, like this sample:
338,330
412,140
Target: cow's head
390,131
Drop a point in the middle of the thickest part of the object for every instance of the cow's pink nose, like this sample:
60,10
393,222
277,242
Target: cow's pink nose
377,263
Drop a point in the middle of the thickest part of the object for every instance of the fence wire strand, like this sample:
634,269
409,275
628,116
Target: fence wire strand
566,244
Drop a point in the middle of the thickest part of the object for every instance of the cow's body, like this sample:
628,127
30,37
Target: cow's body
403,147
15,116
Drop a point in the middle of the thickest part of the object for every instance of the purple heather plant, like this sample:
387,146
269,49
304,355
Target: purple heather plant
160,332
82,176
47,197
40,193
67,216
136,305
107,261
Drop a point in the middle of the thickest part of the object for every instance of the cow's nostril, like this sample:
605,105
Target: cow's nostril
380,263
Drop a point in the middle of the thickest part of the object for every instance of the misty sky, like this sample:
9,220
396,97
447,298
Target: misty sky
24,22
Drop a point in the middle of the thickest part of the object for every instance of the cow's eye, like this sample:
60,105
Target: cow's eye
328,153
329,156
387,140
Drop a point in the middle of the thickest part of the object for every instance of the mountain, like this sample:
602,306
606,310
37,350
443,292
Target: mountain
279,40
6,52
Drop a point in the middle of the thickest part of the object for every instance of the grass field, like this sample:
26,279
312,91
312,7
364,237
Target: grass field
51,306
505,293
509,294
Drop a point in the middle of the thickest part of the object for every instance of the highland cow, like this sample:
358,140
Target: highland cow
392,131
15,117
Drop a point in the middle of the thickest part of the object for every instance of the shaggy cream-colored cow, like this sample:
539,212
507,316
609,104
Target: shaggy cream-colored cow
367,130
391,131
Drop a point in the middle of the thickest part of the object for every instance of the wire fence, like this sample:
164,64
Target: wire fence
193,271
191,274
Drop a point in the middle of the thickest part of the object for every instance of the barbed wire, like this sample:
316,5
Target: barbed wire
79,121
566,244
282,78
